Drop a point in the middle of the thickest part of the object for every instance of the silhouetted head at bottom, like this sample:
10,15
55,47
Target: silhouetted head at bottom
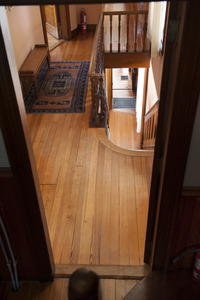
84,284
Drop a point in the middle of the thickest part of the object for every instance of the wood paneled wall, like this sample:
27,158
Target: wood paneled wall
187,234
12,214
13,221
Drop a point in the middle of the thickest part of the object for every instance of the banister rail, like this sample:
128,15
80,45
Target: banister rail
99,113
117,31
95,69
150,127
128,34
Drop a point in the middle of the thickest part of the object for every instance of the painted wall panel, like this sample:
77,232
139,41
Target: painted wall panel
26,30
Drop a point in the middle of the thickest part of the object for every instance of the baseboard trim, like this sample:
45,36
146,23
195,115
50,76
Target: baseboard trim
105,272
5,172
74,32
90,28
191,191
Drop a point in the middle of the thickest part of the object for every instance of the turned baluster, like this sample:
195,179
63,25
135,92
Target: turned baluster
93,98
102,34
127,42
97,99
119,29
144,31
136,25
110,33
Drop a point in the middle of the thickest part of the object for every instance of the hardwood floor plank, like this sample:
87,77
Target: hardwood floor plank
81,206
106,210
66,216
123,127
56,157
132,215
46,146
141,203
34,124
86,253
48,194
115,208
70,213
124,211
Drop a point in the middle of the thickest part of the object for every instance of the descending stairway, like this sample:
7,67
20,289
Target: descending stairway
172,285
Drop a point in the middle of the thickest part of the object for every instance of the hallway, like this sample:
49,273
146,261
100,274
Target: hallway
95,199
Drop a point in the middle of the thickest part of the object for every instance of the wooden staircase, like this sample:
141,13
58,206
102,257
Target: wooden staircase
150,127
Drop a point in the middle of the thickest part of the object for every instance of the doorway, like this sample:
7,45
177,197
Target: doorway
56,24
183,106
122,115
52,26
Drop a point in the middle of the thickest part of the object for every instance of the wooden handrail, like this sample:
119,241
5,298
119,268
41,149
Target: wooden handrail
131,12
93,61
100,109
150,127
152,110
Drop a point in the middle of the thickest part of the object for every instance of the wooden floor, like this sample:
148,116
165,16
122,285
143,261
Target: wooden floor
53,42
58,290
95,199
122,122
123,126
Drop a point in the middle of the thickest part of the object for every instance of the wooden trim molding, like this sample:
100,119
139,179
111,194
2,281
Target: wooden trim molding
65,22
43,17
38,2
106,272
191,191
127,60
5,172
182,110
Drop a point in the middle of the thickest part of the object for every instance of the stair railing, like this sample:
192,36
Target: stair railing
150,127
99,114
128,31
132,27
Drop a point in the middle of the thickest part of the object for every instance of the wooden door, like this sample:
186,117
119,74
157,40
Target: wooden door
51,14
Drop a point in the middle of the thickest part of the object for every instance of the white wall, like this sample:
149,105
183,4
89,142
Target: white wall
92,11
154,81
192,174
4,163
26,30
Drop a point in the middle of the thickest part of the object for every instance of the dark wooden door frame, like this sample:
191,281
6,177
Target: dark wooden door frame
182,108
15,131
183,100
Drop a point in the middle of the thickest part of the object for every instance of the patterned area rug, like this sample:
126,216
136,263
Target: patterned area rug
62,89
124,103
